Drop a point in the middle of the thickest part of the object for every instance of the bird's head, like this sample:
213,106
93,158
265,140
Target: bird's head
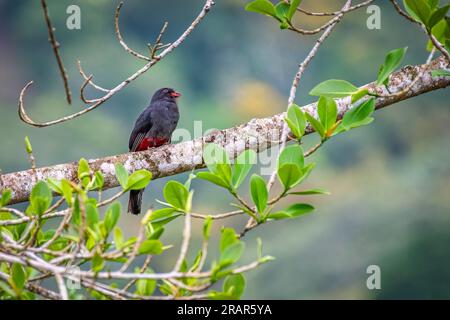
167,94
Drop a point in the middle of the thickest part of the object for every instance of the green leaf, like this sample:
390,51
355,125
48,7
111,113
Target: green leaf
440,73
292,154
216,295
99,180
161,214
197,260
327,111
228,238
97,263
438,15
145,287
18,277
176,195
234,285
361,93
217,160
296,120
316,124
282,9
118,238
242,167
41,197
151,247
259,193
334,89
28,146
433,3
292,211
440,31
67,191
291,175
262,6
310,192
231,254
207,228
84,172
122,175
112,216
7,289
213,178
55,185
391,62
139,180
5,198
293,8
91,215
418,9
157,233
160,223
358,116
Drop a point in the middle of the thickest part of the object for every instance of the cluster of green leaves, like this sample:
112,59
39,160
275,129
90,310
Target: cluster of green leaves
5,197
432,16
15,285
435,20
230,251
283,12
326,124
291,172
86,225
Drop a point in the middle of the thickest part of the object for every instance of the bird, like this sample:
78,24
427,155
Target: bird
153,128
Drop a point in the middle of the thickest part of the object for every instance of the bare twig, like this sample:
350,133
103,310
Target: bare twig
120,39
55,46
61,286
85,77
144,267
185,242
297,79
26,118
335,13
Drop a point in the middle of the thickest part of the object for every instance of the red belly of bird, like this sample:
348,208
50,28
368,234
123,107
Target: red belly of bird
152,143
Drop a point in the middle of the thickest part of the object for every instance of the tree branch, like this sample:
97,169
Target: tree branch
257,134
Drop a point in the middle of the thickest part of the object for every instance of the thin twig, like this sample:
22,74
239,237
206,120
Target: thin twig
185,242
297,79
61,286
335,13
26,118
144,267
55,46
85,77
119,35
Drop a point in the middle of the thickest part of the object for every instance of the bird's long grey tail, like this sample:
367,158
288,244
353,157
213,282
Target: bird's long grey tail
135,201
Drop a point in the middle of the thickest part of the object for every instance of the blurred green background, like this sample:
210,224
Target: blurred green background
389,181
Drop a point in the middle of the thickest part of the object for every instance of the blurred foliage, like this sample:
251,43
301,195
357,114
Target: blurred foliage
389,181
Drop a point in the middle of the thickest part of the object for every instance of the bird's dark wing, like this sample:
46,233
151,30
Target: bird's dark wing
141,128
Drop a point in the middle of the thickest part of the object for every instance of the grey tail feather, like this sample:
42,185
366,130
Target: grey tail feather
135,201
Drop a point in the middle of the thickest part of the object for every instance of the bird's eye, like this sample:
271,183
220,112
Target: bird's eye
166,91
